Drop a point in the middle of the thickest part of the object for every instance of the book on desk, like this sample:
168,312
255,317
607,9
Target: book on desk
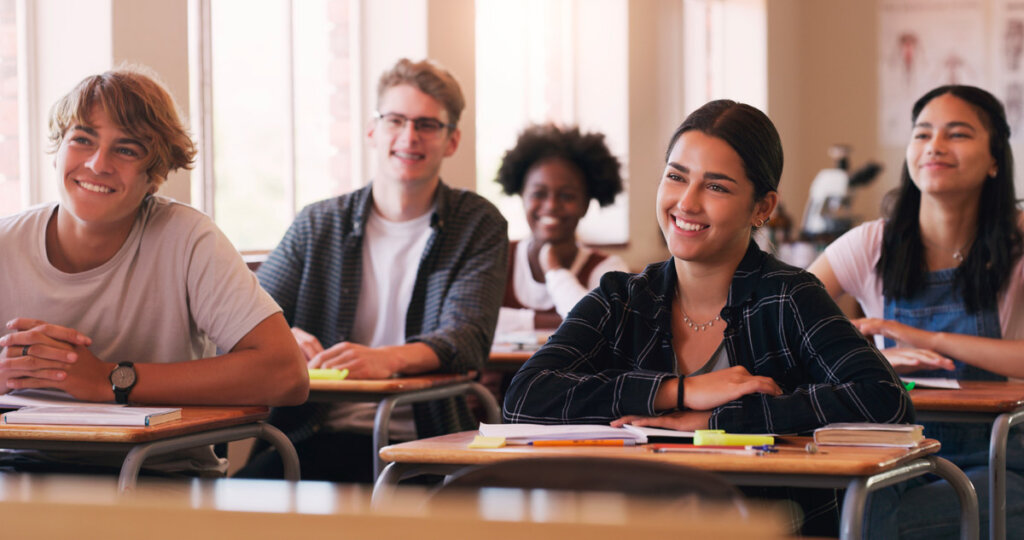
868,434
54,407
110,415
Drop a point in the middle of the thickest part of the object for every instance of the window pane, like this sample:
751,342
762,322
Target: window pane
269,101
539,61
323,117
250,112
10,184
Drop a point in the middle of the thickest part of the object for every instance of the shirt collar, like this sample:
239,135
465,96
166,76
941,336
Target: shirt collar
363,205
652,291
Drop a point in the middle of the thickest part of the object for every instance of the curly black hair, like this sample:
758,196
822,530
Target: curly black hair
586,151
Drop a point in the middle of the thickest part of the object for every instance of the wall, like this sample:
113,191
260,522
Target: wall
155,33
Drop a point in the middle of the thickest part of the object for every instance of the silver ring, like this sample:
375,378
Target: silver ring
24,350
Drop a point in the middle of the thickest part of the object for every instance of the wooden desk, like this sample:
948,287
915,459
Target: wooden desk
860,470
390,393
1002,404
47,506
510,356
198,426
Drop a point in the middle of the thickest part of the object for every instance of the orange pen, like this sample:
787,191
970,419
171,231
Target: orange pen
584,442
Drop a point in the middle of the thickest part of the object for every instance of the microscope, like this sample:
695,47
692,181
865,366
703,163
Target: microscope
827,214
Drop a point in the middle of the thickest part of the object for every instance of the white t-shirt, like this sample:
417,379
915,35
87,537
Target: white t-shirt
177,290
391,260
561,289
853,258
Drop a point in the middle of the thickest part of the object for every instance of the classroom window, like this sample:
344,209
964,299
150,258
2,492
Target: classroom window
11,197
724,52
561,61
274,115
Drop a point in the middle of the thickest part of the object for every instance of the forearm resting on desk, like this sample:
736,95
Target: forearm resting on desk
377,362
1002,356
264,368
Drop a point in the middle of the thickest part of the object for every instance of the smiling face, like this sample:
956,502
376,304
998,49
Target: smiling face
102,172
949,151
705,202
405,156
554,199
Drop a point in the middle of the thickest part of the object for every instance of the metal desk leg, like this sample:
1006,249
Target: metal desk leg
386,482
969,521
490,404
382,430
997,472
382,419
133,461
284,447
858,489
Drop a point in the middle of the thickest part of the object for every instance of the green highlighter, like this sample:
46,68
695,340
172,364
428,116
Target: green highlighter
718,437
328,374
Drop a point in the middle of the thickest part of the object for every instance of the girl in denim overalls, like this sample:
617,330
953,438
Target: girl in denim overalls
940,280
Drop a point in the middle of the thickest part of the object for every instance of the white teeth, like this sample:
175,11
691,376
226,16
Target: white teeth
689,226
404,155
548,220
96,188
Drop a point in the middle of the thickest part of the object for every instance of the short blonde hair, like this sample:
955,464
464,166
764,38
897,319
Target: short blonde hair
428,77
136,103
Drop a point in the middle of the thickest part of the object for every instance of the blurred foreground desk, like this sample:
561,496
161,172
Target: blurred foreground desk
198,426
860,470
47,507
998,403
401,391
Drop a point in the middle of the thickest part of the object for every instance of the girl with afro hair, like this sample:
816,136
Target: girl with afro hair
557,172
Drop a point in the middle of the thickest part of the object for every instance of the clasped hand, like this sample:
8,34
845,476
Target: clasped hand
37,354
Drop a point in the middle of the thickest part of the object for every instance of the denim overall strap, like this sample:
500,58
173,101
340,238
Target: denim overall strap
937,308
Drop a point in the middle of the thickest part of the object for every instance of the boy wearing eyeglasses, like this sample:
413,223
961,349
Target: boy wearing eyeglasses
401,277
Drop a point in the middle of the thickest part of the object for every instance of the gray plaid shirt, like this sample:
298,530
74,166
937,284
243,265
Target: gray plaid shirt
611,354
315,272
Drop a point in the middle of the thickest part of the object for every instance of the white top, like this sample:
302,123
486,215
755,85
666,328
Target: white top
854,255
177,290
561,290
391,260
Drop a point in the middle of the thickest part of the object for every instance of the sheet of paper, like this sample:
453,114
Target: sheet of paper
929,382
524,433
661,432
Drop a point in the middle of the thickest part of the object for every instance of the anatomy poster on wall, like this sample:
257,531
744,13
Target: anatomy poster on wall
924,44
1007,53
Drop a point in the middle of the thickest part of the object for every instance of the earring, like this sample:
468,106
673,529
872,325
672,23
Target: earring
762,224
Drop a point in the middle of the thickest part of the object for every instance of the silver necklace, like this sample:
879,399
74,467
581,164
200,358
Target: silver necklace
699,327
958,255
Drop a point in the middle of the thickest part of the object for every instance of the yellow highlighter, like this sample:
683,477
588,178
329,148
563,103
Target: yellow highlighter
718,437
328,374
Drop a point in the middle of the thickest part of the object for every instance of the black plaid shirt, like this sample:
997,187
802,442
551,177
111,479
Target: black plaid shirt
611,354
315,272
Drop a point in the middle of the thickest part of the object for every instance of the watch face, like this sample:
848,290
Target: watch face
123,376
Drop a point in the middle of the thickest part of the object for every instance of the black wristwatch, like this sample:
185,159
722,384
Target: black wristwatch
123,379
